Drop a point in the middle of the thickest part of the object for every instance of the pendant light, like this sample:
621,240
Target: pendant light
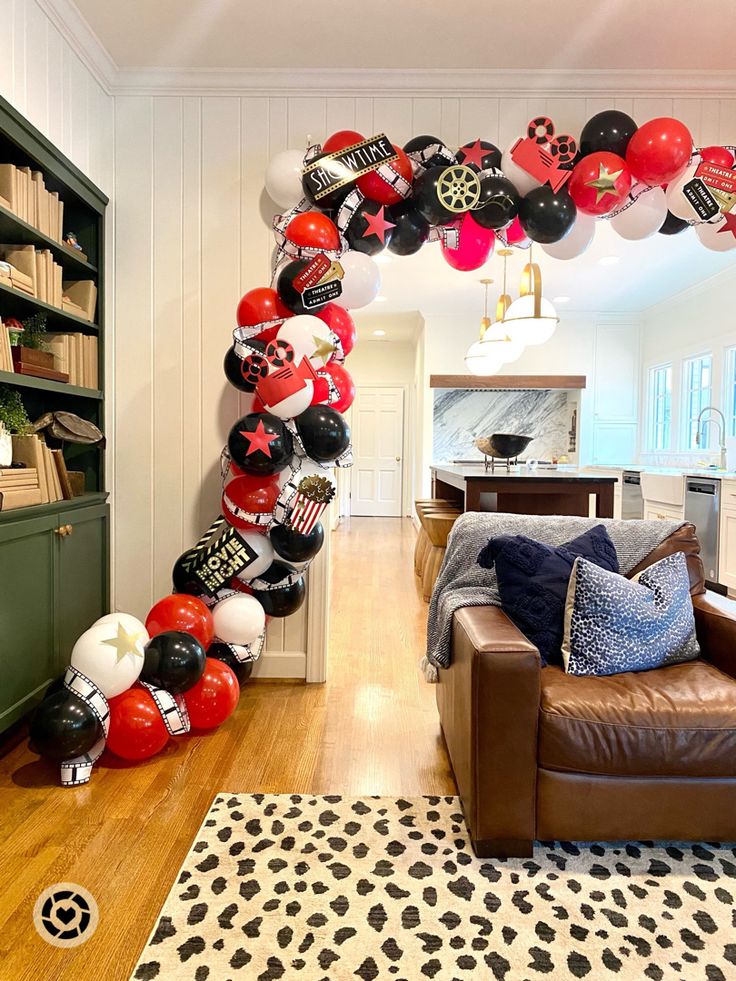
481,358
531,319
496,339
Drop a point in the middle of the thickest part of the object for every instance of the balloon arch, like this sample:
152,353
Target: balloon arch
131,686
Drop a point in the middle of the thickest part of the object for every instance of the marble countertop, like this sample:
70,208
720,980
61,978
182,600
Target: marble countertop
667,471
478,472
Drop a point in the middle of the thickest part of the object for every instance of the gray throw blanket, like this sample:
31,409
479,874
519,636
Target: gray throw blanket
462,582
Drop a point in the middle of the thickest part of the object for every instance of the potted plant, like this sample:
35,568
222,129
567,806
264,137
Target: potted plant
33,346
14,421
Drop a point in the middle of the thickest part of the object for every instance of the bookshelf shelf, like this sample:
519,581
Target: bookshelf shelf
15,303
15,231
56,507
43,385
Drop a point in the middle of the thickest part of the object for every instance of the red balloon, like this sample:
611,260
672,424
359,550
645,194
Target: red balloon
215,696
246,493
719,156
514,234
474,246
137,729
343,382
339,320
269,334
373,186
599,183
659,151
313,230
341,139
182,612
261,305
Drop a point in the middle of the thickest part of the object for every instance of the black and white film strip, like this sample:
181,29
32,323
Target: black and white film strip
77,771
420,158
259,518
173,709
263,585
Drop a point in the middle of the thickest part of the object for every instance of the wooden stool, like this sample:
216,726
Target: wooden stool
438,527
424,506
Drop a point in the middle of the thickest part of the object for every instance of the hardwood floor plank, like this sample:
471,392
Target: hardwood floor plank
372,728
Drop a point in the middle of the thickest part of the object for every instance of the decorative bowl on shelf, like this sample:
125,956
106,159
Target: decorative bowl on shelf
502,446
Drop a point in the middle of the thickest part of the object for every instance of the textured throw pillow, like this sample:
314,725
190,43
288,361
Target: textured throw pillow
613,624
532,581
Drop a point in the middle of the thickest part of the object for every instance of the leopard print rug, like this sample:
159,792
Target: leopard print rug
331,888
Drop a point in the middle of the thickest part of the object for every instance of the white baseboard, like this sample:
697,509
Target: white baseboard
281,664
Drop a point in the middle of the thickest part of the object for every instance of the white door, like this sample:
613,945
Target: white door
378,428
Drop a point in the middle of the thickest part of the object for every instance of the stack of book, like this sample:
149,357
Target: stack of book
19,488
24,192
80,298
53,478
32,271
76,356
6,355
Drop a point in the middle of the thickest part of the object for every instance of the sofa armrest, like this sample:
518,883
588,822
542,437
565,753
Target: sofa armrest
715,625
488,701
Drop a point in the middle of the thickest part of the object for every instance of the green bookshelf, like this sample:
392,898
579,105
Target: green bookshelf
54,558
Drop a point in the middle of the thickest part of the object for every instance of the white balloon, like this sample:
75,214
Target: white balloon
310,337
677,203
111,653
716,235
644,217
284,178
294,404
576,241
523,181
361,282
239,619
128,620
261,545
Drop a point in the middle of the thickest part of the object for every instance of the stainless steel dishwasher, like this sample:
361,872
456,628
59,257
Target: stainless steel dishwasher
632,504
702,508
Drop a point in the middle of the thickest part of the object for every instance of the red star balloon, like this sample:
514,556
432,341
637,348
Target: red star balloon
259,439
377,225
729,225
599,183
479,155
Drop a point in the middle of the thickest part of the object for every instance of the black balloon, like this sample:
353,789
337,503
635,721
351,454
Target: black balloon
174,660
420,143
546,215
224,652
294,547
244,374
367,232
260,444
411,229
609,130
498,204
324,433
64,726
427,200
285,600
182,580
333,199
673,225
291,296
490,158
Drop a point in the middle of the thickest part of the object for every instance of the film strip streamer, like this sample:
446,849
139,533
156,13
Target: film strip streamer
77,771
269,587
246,653
173,709
420,158
259,518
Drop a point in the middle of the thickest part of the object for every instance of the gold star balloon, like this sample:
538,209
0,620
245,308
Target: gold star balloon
599,183
323,349
125,643
605,182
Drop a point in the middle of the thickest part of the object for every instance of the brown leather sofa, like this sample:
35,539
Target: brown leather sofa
539,754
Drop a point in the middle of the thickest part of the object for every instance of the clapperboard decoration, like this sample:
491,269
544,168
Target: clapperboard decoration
215,560
320,282
313,495
334,170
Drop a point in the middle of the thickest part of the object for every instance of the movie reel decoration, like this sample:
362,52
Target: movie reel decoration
131,687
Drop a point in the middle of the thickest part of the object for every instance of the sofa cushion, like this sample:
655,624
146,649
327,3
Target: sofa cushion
683,540
672,721
532,581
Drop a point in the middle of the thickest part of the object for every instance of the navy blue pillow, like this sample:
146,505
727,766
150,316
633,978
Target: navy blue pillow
533,580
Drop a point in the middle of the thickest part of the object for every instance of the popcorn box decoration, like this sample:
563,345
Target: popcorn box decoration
313,495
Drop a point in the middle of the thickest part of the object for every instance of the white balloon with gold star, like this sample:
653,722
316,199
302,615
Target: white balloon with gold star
111,652
310,337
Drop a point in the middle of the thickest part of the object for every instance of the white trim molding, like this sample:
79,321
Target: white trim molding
76,31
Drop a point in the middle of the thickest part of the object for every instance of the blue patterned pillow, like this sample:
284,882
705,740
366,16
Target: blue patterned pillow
532,581
613,624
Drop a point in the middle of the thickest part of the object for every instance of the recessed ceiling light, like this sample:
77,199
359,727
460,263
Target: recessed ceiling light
382,259
609,260
561,299
380,299
379,333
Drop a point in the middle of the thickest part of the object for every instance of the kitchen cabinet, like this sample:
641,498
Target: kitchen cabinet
617,487
727,550
53,584
615,391
654,511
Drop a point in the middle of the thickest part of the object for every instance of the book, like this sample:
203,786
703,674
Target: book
28,450
29,497
54,474
63,475
8,186
6,355
83,292
23,259
24,175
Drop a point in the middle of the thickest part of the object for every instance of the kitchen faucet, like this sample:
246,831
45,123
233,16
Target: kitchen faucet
721,432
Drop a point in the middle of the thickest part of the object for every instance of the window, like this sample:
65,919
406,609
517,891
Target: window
698,394
660,406
731,391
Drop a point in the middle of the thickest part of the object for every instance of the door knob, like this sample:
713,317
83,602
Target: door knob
398,459
64,530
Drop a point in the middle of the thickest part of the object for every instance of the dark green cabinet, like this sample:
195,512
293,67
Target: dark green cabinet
53,585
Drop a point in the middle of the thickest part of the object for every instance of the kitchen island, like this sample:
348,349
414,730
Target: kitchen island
522,491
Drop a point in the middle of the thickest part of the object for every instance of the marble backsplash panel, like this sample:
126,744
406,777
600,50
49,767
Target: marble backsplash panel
461,415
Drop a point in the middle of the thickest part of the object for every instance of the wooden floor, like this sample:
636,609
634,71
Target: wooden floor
371,729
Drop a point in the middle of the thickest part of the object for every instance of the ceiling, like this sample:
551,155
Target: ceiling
475,34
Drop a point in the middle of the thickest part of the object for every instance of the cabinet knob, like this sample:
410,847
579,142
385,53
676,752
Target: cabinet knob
64,530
